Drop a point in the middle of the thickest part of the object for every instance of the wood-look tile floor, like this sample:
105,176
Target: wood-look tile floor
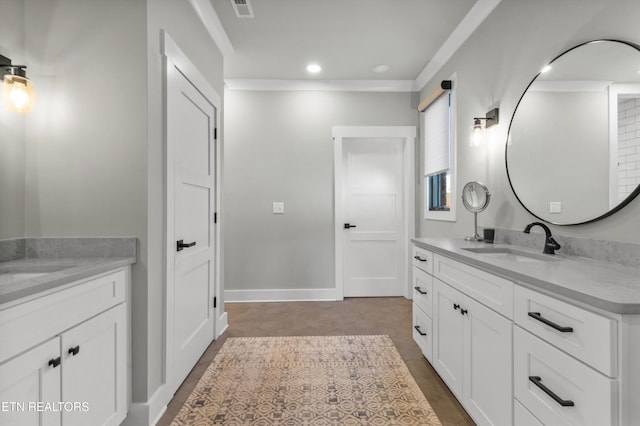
386,315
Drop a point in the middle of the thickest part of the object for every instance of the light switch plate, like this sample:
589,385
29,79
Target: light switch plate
555,207
278,207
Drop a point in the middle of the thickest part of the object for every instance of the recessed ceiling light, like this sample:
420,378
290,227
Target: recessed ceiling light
381,68
314,68
546,68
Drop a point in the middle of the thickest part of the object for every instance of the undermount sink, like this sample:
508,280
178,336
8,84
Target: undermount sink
511,254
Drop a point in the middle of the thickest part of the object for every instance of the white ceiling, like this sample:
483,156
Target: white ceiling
348,38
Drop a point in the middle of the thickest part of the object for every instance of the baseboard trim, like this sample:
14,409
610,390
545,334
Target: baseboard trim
222,324
147,413
280,295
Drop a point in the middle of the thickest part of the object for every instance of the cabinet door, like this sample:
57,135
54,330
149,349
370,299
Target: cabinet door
448,335
28,380
94,362
487,388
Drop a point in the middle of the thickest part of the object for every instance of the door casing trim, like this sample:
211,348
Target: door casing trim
408,134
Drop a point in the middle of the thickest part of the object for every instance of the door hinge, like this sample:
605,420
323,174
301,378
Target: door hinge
215,302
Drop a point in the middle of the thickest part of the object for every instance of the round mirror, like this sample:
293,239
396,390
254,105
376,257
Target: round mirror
475,197
573,146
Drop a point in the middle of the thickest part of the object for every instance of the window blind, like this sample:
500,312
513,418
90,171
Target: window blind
436,136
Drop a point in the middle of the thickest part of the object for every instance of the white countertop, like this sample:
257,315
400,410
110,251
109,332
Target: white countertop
47,274
606,286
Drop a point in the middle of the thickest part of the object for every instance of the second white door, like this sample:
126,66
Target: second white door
373,212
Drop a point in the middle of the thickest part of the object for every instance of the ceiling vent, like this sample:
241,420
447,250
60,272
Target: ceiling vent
242,8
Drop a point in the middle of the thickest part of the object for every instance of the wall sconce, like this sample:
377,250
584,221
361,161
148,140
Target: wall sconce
491,118
17,89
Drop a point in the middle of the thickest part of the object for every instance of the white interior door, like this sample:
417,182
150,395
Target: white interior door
191,236
373,213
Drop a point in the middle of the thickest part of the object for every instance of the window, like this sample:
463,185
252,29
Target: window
439,159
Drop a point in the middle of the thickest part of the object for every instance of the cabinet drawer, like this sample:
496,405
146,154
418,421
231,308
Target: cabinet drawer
423,259
488,289
593,395
423,290
422,331
56,312
589,337
522,417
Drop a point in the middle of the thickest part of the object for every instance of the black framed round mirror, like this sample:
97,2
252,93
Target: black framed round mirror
573,146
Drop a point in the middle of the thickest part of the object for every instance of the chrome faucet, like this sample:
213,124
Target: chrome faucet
550,245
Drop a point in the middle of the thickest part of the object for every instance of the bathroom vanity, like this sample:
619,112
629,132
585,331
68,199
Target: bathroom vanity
529,339
64,332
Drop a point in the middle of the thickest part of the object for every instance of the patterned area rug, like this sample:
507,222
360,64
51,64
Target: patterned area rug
336,380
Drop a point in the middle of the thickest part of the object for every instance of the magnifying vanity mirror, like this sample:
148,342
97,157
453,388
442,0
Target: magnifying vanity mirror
475,197
573,146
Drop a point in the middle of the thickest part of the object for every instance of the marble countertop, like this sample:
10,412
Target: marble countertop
607,286
22,278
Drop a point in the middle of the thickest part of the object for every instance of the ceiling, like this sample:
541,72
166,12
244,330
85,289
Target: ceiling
348,38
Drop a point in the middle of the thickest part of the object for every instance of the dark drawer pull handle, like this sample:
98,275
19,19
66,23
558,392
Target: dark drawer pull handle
54,362
416,257
417,327
456,306
463,311
348,226
182,245
537,316
74,351
536,380
419,290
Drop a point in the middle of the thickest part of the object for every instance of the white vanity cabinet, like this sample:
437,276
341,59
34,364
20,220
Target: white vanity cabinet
63,358
514,353
472,346
468,339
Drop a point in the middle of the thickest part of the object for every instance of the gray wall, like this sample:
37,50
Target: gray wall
279,148
12,143
493,68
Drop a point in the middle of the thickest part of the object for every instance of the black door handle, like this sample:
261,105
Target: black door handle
74,351
537,316
419,290
54,362
536,380
417,327
419,258
181,245
348,225
463,311
456,306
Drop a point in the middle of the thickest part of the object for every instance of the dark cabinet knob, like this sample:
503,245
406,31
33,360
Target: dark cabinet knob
456,306
74,351
463,311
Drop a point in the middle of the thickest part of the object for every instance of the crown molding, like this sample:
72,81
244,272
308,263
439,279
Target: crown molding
214,27
322,85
